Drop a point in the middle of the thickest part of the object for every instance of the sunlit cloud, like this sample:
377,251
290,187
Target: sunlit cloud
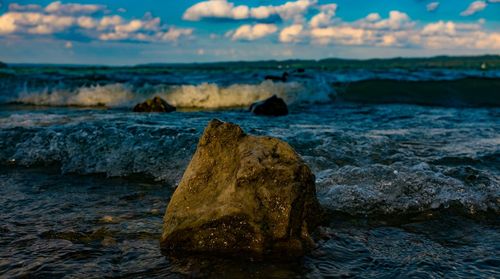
473,8
222,9
252,32
87,20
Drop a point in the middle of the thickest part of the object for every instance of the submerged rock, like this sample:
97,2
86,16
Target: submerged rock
273,106
242,194
156,104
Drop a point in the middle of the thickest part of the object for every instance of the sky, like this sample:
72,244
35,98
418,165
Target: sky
127,32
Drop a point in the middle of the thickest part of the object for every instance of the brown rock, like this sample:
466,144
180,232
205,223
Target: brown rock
242,194
156,104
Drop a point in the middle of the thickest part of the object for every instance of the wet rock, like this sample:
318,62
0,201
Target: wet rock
273,106
242,195
3,65
156,104
282,78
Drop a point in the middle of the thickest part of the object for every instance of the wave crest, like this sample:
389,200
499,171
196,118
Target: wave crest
205,95
381,189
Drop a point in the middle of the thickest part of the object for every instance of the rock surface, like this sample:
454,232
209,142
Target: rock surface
242,195
156,104
272,106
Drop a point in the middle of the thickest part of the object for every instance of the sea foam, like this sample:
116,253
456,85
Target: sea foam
202,96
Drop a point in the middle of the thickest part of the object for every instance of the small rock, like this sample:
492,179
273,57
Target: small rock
156,104
273,106
282,78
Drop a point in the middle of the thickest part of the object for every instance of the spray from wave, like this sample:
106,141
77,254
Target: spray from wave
203,96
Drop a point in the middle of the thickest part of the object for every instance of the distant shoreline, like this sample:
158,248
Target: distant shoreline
452,62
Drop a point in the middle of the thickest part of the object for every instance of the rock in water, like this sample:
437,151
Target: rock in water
272,106
242,194
156,104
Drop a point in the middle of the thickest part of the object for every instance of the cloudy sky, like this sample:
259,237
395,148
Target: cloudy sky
145,31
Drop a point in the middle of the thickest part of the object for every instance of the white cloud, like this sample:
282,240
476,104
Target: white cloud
7,24
373,17
252,32
324,18
293,10
291,33
344,35
173,34
87,20
73,8
23,8
216,9
222,9
432,6
396,21
440,28
473,8
398,30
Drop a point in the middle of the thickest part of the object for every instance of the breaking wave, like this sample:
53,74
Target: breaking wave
397,189
351,178
205,95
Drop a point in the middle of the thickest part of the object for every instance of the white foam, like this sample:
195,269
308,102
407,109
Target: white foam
212,96
113,95
205,95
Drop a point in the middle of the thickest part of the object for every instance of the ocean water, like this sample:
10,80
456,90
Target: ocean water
411,190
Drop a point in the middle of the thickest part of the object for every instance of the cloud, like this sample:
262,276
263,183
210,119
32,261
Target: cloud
432,6
73,8
344,35
473,8
323,18
439,28
222,9
396,21
291,34
252,32
85,20
24,8
397,30
216,9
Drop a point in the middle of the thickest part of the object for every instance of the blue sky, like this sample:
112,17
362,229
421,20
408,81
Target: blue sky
131,32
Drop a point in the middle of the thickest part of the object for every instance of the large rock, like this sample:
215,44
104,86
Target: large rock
242,195
156,104
272,106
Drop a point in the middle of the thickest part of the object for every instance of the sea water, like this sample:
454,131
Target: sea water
410,190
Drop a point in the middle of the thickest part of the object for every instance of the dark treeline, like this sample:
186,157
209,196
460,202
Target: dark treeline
450,62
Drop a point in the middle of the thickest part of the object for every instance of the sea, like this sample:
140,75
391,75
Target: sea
407,166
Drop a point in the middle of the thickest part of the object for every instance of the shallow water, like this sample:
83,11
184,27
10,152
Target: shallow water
411,191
